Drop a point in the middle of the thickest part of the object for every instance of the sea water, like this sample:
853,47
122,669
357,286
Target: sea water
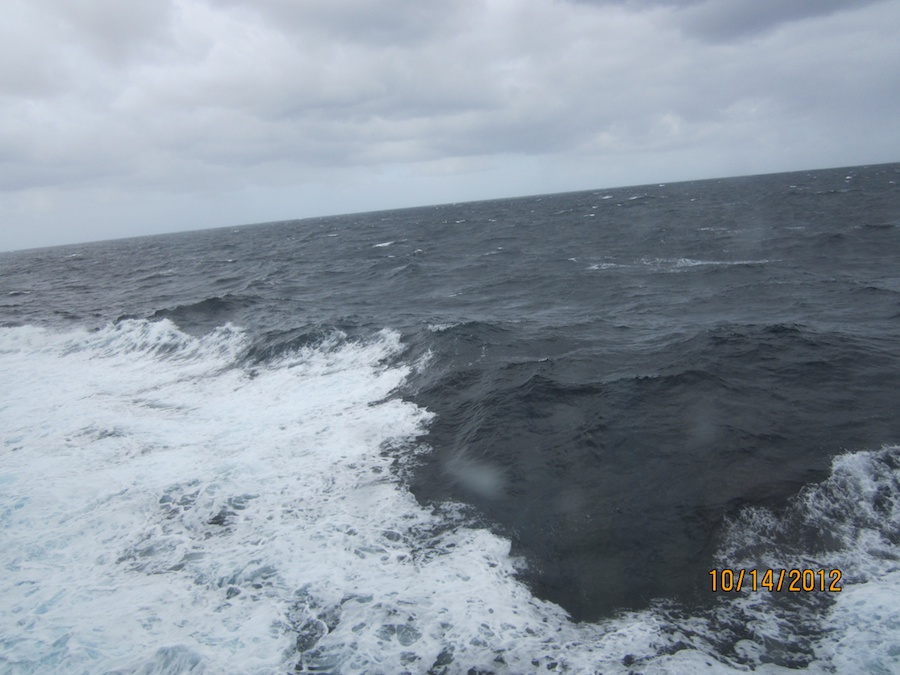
509,436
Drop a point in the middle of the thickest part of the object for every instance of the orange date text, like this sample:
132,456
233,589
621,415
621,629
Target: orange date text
775,581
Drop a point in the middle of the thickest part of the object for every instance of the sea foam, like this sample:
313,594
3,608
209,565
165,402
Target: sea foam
167,507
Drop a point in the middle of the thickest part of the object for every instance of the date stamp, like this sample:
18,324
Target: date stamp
792,580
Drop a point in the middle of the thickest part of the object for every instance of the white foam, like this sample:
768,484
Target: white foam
858,508
679,263
165,509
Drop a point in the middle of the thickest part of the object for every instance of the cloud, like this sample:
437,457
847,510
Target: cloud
372,22
112,30
723,20
397,102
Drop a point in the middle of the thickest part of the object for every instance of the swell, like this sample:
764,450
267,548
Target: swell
612,468
208,313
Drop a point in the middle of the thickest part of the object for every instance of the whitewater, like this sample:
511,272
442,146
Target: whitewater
198,476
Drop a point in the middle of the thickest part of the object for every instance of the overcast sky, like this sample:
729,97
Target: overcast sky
128,117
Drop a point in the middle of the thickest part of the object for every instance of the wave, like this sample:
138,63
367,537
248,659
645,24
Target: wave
593,454
681,263
207,313
169,506
848,527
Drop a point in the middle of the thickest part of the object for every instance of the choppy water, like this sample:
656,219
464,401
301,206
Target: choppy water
505,436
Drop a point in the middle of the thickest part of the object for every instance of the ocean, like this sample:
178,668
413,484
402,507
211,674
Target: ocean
544,434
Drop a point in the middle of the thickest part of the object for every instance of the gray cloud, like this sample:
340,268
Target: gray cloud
180,105
112,30
371,22
722,20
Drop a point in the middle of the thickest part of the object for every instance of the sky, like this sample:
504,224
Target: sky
121,118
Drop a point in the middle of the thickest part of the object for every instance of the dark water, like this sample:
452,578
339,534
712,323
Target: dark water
615,375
